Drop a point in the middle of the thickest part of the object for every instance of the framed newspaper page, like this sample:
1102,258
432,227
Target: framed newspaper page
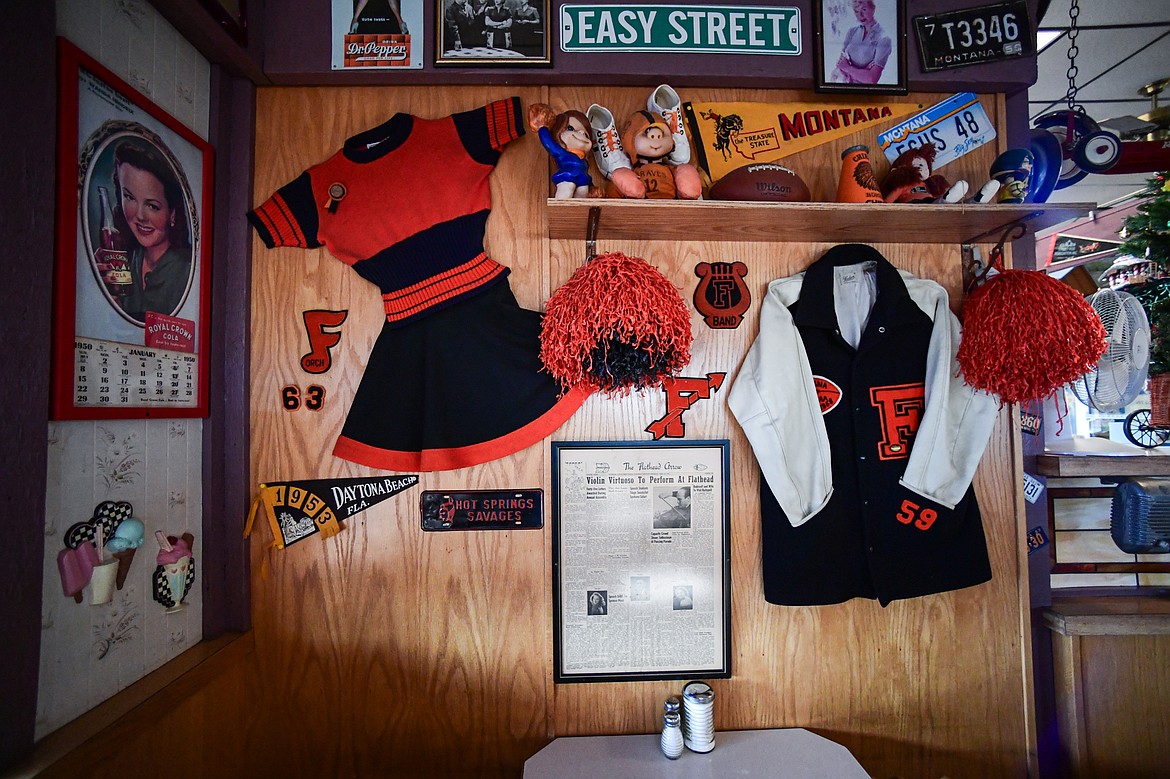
641,561
132,286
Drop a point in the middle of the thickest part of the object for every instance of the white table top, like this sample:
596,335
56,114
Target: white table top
789,753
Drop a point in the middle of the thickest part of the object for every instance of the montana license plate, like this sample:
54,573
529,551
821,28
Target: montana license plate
974,35
955,126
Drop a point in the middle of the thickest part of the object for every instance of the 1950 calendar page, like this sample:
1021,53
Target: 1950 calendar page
132,273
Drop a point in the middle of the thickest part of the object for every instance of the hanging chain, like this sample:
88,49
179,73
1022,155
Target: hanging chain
1074,11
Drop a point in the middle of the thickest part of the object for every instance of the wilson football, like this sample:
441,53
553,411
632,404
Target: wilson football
761,181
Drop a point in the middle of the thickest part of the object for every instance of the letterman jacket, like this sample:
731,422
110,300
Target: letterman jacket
866,435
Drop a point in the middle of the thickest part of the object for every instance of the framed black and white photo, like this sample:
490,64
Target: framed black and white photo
860,46
469,33
641,546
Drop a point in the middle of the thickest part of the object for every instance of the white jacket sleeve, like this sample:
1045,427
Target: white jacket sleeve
957,420
774,400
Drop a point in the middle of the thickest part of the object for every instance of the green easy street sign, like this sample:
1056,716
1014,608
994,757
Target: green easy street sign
722,29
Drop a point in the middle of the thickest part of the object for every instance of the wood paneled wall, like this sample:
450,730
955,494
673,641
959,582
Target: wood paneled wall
1113,699
389,651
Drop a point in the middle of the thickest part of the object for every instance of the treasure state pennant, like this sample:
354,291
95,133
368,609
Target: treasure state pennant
726,136
296,510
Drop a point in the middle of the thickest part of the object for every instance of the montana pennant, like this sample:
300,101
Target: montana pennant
298,509
729,135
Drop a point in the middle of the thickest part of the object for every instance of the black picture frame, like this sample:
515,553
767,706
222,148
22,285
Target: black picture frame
833,22
521,43
664,507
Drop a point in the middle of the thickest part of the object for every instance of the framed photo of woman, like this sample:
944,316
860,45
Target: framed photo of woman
860,46
510,33
131,320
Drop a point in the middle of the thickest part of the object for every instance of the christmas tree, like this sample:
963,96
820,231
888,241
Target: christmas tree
1147,232
1146,235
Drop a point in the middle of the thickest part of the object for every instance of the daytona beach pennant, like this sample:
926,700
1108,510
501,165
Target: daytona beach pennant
298,509
726,136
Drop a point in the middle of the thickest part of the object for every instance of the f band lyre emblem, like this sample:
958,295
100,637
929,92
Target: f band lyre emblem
722,297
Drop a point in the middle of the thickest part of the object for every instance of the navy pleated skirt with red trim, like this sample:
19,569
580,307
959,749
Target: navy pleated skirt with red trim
459,387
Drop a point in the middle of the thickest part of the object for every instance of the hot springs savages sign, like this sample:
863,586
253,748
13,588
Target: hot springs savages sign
721,29
726,136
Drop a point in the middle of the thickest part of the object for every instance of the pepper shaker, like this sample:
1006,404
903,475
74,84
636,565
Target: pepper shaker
671,740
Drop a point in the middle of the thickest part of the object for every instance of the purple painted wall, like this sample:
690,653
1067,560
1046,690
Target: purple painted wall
28,40
28,203
296,50
226,491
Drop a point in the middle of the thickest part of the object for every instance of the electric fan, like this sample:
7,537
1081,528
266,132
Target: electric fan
1121,372
1140,518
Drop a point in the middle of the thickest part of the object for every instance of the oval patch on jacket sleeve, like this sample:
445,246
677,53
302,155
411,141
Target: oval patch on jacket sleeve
828,394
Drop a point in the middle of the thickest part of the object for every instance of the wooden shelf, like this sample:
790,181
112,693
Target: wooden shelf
673,220
1109,615
1144,464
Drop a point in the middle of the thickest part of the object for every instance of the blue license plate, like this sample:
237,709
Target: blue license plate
955,126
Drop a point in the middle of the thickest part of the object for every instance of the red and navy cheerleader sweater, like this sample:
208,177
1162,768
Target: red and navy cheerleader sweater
455,377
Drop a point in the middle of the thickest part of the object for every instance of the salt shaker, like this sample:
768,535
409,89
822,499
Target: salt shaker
671,741
699,717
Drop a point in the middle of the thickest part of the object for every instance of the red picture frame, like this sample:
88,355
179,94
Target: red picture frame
131,319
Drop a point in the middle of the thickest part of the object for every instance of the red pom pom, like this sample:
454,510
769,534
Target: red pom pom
1025,335
617,324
